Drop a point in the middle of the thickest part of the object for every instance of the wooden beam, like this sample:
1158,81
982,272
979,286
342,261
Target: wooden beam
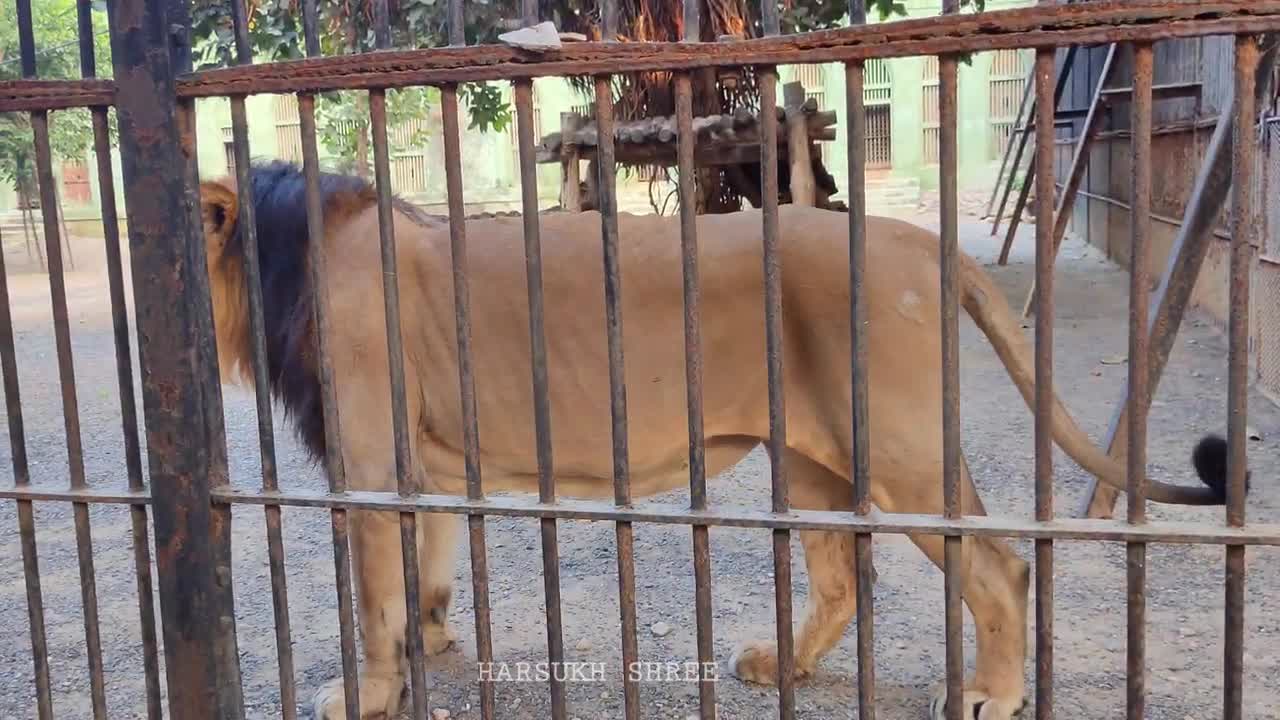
802,180
570,179
1079,161
1182,269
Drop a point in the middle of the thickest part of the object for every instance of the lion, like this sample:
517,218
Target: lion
902,295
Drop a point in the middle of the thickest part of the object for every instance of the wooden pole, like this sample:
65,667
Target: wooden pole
802,181
570,179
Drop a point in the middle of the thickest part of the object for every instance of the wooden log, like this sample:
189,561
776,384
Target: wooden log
802,180
570,195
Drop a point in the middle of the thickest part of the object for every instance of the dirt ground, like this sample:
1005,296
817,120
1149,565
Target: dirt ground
1185,596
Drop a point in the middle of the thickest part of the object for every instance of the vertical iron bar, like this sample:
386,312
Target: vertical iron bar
1136,455
66,370
124,366
952,462
381,25
860,462
686,141
777,444
335,470
226,655
1243,152
538,361
1044,112
247,222
466,377
181,408
608,205
406,479
26,516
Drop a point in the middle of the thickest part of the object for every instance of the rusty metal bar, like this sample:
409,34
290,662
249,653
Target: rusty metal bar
686,140
1243,152
466,373
1031,27
406,479
860,462
1175,532
1043,164
538,358
66,370
777,442
335,471
26,516
247,222
1185,258
952,461
124,368
608,205
180,406
1136,456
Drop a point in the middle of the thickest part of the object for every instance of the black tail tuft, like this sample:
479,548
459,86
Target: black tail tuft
1210,461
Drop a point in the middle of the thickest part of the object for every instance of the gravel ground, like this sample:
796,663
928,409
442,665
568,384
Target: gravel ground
1185,596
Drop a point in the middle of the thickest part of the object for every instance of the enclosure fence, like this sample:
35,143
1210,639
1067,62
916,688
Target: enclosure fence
189,499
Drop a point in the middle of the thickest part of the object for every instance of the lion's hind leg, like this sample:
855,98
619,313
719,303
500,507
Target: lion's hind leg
829,561
994,583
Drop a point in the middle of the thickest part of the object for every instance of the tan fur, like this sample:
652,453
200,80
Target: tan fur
905,398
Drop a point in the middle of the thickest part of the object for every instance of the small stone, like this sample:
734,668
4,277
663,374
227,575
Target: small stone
583,645
660,629
537,38
439,714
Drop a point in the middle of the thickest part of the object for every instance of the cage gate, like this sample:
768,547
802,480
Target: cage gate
190,500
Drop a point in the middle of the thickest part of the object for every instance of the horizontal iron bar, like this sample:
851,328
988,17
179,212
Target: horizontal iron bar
1040,26
1172,532
18,95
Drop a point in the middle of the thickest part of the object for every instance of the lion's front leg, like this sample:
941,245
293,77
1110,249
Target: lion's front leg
382,619
437,543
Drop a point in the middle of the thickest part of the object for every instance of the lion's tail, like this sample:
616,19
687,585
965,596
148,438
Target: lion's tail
984,302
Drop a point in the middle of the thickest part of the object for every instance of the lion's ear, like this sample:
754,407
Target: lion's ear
218,207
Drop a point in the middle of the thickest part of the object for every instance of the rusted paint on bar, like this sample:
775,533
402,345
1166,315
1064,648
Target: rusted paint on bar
608,206
1243,157
262,388
952,462
406,479
686,140
25,95
66,378
856,149
335,471
538,356
26,516
1043,430
1174,532
1032,27
128,409
1136,457
180,406
777,442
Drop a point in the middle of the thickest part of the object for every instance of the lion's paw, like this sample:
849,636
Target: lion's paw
437,639
976,705
757,662
381,697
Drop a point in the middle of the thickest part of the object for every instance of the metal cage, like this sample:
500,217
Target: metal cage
188,502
